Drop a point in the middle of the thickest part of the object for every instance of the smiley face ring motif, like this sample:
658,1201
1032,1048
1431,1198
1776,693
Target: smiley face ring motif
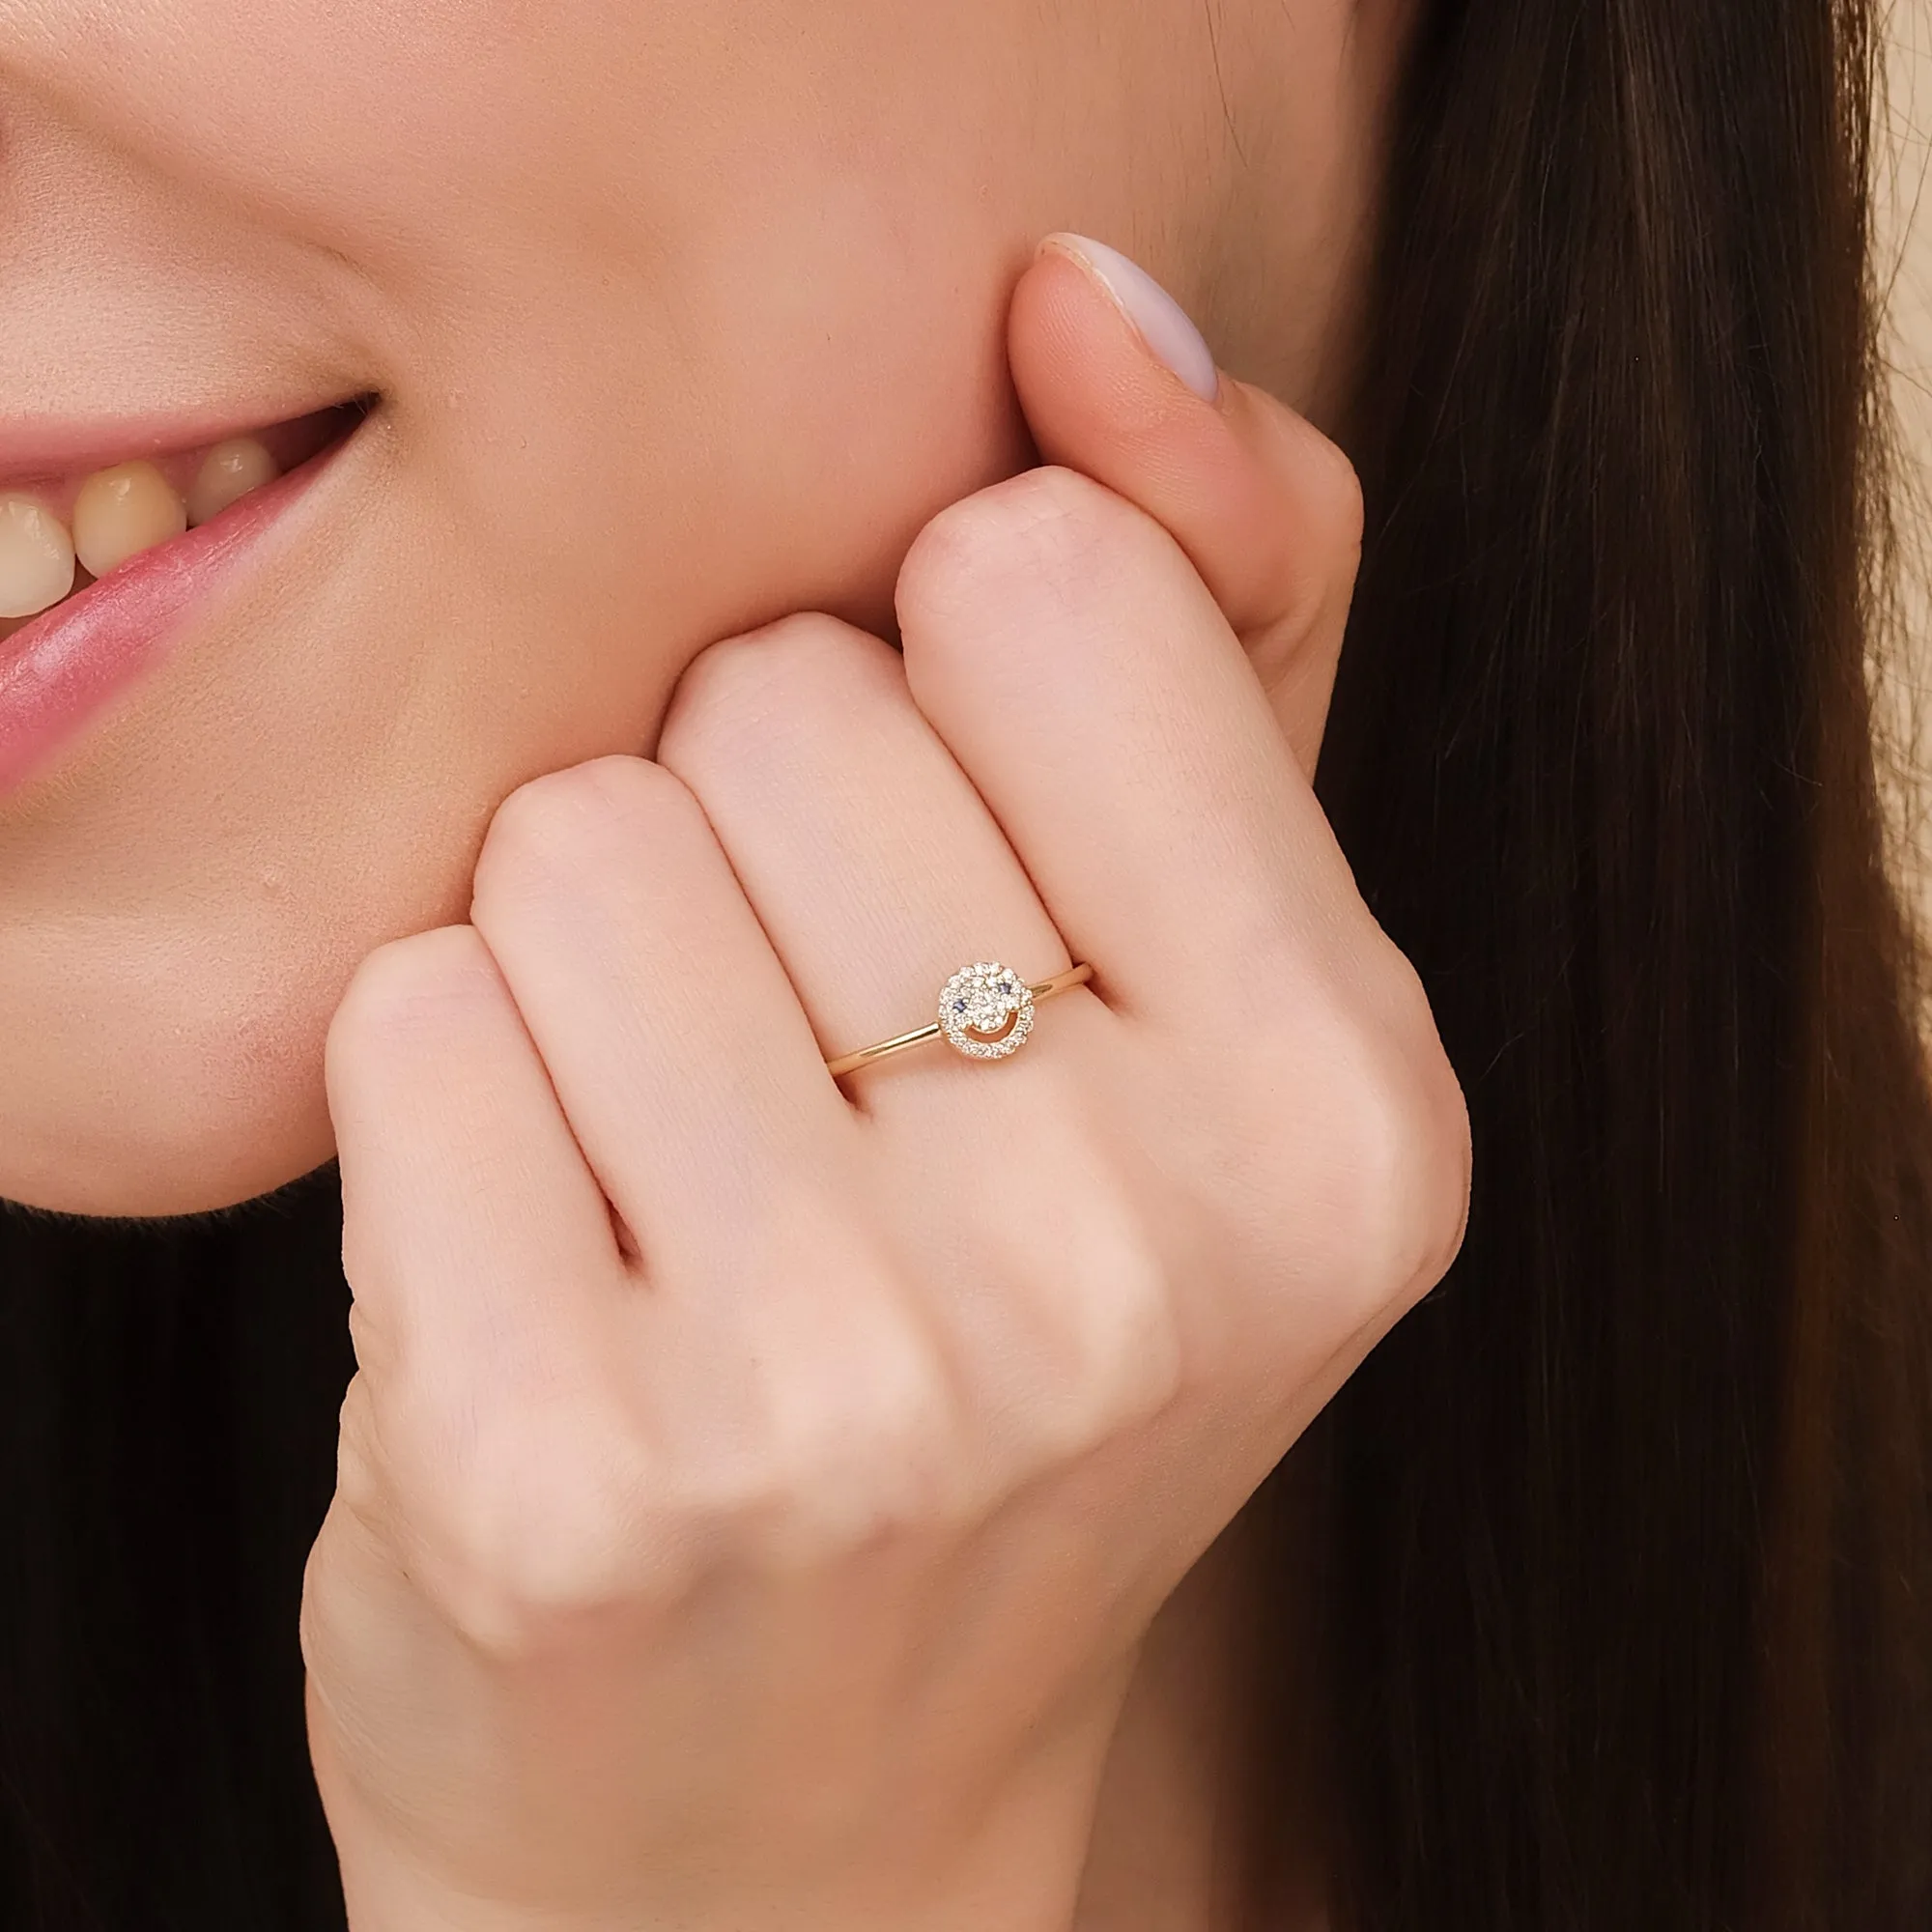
985,1012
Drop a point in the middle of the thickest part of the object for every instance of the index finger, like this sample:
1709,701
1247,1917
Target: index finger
475,1237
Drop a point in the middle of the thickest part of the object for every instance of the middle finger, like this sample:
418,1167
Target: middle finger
870,858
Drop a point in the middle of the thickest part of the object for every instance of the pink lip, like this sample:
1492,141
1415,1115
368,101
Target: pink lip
59,670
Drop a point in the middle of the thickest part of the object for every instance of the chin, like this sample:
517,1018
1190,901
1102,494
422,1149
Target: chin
204,1125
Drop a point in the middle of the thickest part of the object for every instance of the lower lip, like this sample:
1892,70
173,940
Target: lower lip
58,673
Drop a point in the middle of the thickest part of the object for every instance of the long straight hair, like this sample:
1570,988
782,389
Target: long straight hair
1629,1528
1624,1558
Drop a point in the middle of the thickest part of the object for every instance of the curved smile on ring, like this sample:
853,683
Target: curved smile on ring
985,1010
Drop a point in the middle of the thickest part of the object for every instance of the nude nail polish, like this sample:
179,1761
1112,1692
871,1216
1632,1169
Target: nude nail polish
1163,323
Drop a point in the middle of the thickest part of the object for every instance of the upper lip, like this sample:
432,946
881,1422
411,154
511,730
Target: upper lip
36,450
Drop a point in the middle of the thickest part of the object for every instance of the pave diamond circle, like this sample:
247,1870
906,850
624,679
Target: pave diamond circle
987,1010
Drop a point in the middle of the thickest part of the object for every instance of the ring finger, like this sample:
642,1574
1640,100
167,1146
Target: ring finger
870,858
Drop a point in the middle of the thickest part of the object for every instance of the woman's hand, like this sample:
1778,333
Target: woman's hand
754,1491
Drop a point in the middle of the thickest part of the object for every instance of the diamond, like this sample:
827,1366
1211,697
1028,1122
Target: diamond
985,1010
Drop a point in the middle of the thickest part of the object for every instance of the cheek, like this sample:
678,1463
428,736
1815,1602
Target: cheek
861,362
330,118
726,284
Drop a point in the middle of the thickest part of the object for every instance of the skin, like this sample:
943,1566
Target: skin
755,1498
710,327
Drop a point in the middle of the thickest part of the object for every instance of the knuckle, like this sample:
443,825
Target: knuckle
836,1422
552,827
543,1533
765,684
1048,529
1446,1174
1404,1137
1340,1153
417,989
868,1458
1092,1328
1123,1368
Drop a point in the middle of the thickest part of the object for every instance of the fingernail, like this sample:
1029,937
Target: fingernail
1161,320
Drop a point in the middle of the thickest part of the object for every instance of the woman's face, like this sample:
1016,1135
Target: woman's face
681,314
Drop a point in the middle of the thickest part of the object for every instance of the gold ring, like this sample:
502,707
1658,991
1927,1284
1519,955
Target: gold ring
985,1012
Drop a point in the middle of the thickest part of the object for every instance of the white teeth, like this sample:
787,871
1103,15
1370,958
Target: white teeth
123,511
36,557
227,473
118,513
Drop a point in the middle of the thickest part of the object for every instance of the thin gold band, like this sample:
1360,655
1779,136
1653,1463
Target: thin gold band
1040,989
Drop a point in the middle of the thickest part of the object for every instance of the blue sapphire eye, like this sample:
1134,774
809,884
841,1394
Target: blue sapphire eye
958,1006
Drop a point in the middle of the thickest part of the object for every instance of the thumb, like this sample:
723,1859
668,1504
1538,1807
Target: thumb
1117,383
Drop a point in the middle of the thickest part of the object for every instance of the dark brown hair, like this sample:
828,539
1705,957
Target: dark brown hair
1626,1557
1630,1525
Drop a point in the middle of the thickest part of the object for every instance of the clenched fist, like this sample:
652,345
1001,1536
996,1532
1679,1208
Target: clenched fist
756,1483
